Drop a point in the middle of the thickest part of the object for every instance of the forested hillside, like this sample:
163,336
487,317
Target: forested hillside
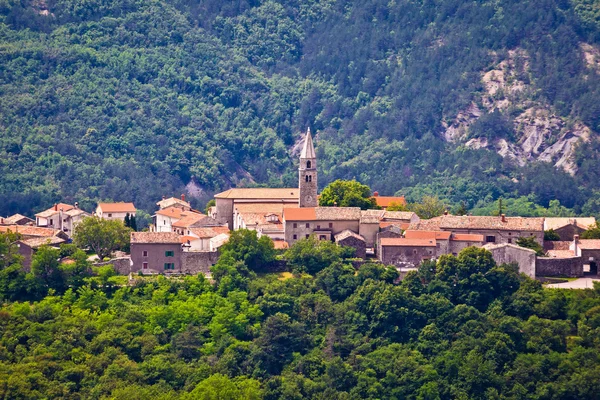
130,99
464,328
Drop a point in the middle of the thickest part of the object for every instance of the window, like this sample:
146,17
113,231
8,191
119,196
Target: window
322,237
169,253
331,225
109,215
318,227
308,164
145,253
165,221
169,266
295,237
509,240
415,251
509,233
310,178
307,225
490,239
145,265
295,225
51,223
307,235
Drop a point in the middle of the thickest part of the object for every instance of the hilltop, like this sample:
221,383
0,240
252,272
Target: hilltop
130,100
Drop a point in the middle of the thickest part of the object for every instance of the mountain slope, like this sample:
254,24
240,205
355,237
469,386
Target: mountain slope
127,99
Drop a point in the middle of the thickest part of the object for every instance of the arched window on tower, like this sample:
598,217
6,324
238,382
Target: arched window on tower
308,164
310,178
306,178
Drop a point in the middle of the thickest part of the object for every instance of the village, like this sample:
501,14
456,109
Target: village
182,240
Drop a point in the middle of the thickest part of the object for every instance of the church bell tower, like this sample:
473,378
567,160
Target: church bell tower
307,174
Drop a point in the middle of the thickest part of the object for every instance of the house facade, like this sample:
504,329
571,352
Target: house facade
155,252
115,211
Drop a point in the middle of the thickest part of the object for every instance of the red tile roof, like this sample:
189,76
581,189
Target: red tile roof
259,193
155,237
188,218
439,235
386,201
172,212
450,222
402,225
466,237
299,214
209,232
117,207
589,244
54,209
396,242
30,230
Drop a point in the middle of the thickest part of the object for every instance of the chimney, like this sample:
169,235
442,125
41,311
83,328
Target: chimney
164,197
576,245
76,205
503,217
55,207
445,212
375,194
182,197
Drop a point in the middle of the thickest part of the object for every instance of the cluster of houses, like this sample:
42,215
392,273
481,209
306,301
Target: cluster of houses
184,240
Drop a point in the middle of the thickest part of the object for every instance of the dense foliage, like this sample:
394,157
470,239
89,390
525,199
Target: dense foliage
131,100
464,328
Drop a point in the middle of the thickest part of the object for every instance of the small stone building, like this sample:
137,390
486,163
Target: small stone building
155,252
350,239
567,228
506,253
402,252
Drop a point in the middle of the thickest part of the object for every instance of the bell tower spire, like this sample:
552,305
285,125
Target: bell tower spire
307,173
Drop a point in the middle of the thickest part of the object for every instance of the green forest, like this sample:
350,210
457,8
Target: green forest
131,100
464,328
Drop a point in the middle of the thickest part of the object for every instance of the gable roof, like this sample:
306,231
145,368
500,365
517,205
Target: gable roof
155,237
209,232
322,214
40,241
188,219
557,223
116,207
172,212
54,210
466,237
438,235
400,225
27,230
480,222
371,216
260,193
347,233
206,221
398,215
402,242
171,201
386,201
15,219
589,244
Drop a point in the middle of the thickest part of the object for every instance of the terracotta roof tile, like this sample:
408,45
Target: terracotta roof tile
40,241
402,225
188,219
30,230
154,237
398,215
371,216
171,212
172,201
117,207
561,253
450,222
557,223
259,193
589,244
386,201
280,244
438,235
346,234
395,242
51,211
466,237
209,232
299,214
15,219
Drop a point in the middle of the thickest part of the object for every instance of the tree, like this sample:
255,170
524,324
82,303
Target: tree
221,387
531,243
45,268
342,193
429,207
103,236
593,232
395,206
209,204
245,245
551,235
312,255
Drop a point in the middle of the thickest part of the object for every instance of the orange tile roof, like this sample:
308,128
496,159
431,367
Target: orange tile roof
466,237
299,214
155,237
259,193
589,244
30,230
172,212
408,242
185,239
439,235
560,253
386,201
280,244
40,241
117,207
188,218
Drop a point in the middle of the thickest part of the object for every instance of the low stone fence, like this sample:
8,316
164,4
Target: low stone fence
122,265
569,267
195,262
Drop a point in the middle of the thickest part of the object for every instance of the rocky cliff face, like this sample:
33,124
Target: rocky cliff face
540,134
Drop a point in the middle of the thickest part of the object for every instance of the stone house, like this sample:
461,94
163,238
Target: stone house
567,228
174,202
16,219
116,211
499,229
52,217
350,239
323,222
33,232
402,252
506,253
28,247
155,252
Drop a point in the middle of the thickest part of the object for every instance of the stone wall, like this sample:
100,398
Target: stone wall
571,266
510,253
194,262
122,265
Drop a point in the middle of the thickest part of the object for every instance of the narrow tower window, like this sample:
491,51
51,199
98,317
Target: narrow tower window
308,164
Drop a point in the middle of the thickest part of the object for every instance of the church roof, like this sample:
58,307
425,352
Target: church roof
308,151
259,193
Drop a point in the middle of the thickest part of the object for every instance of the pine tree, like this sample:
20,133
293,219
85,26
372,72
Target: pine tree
133,223
127,220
